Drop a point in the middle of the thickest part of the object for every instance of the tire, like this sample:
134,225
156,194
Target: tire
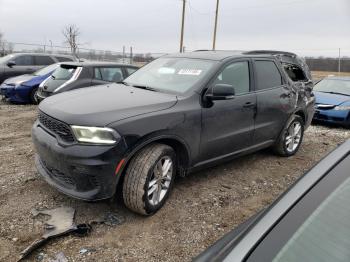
142,172
281,147
33,97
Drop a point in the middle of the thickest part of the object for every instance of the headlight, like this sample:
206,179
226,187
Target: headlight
95,135
342,108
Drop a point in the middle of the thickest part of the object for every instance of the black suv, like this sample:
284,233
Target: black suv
27,63
173,116
70,76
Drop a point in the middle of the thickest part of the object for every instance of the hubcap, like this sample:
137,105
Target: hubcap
293,136
160,180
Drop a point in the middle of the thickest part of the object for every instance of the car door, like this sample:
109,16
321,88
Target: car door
228,125
275,100
24,65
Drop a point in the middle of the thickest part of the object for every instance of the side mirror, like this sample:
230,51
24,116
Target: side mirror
221,92
11,63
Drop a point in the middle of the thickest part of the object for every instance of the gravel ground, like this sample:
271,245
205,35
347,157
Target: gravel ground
201,209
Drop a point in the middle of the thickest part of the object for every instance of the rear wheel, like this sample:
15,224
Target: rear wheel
149,179
290,140
33,97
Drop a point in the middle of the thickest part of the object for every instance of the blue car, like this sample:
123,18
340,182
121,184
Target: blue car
333,100
22,89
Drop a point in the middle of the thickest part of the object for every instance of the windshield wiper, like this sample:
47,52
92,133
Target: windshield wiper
146,88
123,83
335,93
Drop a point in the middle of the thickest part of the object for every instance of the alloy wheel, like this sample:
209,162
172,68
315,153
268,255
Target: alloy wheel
293,137
160,180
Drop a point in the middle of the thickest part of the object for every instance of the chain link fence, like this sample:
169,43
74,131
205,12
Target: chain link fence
82,53
341,64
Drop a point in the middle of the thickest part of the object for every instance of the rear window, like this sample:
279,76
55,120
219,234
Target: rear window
295,73
110,74
267,75
43,60
130,70
64,59
64,72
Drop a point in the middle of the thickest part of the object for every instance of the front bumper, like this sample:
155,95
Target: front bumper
340,117
7,90
19,94
82,171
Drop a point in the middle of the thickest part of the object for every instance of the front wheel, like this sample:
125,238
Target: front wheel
33,96
149,178
291,137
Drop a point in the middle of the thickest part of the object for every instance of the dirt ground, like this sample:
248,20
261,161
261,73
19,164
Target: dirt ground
201,209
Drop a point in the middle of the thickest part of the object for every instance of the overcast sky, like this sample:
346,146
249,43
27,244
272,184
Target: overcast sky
309,27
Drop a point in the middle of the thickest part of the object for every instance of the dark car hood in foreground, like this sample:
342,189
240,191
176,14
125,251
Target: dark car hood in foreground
330,99
18,79
101,105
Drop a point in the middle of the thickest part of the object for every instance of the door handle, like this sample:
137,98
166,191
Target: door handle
249,105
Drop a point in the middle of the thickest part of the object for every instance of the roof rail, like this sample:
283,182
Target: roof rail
269,52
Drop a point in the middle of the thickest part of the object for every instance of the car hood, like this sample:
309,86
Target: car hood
18,79
101,105
330,99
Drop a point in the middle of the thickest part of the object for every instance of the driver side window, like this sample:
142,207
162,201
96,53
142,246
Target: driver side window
236,75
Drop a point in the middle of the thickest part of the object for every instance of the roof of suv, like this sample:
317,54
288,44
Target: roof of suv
92,64
46,54
222,54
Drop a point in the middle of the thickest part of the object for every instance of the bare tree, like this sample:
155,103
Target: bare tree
71,34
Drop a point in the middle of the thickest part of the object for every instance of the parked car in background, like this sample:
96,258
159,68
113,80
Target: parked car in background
70,76
309,222
333,100
27,63
23,89
175,115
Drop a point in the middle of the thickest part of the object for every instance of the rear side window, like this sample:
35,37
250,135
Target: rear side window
63,59
64,73
236,75
130,70
110,74
295,73
43,60
24,60
267,75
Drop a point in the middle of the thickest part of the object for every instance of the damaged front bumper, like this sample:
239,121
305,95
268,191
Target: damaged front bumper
339,117
85,172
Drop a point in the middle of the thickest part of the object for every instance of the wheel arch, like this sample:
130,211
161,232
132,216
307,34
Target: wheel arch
180,147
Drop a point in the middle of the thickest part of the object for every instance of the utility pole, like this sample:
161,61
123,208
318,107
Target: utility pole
130,54
216,23
182,25
339,63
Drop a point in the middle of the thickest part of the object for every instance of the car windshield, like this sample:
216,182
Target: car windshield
325,235
64,72
46,70
6,58
334,86
174,75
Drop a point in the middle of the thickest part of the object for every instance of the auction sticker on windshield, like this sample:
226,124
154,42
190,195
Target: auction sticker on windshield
192,72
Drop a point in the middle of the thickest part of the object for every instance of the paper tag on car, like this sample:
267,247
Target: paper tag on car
191,72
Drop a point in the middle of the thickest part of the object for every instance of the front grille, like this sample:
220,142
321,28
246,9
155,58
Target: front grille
59,128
